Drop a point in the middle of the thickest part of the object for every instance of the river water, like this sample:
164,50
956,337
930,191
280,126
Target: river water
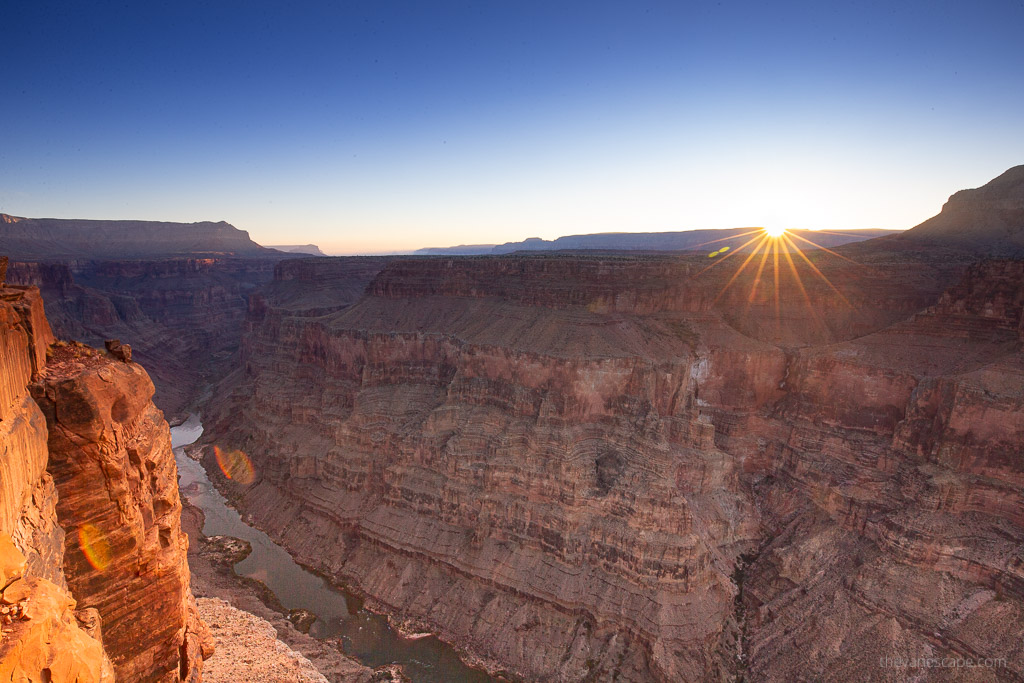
365,636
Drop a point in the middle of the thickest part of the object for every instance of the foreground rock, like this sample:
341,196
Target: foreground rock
117,497
42,637
41,631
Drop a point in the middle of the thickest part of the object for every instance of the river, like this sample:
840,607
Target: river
365,636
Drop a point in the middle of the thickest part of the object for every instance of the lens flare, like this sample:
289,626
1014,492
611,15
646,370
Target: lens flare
235,465
94,545
773,255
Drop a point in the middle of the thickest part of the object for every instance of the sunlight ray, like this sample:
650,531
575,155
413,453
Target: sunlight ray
778,310
757,278
724,239
816,270
727,256
739,270
803,291
818,246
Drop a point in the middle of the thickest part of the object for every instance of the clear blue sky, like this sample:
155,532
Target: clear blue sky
385,125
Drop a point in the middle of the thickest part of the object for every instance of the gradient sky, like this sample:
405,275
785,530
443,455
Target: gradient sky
385,125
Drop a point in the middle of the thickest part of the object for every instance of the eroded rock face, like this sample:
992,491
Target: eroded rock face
42,638
110,457
536,483
618,475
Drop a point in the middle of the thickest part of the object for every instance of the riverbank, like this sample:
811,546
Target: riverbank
213,578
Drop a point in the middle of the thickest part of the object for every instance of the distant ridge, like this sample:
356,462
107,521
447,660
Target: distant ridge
687,240
62,239
989,219
311,249
460,250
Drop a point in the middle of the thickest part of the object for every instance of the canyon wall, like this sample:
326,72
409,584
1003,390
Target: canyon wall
90,502
182,316
586,468
42,634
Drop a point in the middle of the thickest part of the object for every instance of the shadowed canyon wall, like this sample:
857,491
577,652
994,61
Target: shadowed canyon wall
586,468
182,316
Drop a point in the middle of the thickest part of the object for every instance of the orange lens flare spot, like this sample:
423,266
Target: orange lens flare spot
235,465
94,545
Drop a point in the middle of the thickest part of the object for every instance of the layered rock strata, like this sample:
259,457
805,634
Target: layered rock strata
183,316
125,555
41,638
592,468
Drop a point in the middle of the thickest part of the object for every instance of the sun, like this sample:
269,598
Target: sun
775,232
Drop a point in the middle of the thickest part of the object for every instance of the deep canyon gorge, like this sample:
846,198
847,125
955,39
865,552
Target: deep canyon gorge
572,466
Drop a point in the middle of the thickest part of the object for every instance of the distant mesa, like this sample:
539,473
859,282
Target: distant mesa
989,219
461,250
62,239
311,249
685,240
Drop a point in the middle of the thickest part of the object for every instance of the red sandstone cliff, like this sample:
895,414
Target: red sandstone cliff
585,468
89,497
110,457
42,638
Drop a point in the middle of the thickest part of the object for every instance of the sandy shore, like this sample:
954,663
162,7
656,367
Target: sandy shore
248,649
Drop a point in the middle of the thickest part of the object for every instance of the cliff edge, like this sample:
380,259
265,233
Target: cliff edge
42,637
89,516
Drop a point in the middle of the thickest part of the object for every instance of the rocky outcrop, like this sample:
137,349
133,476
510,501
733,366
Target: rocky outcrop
580,468
125,555
42,638
989,219
27,504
